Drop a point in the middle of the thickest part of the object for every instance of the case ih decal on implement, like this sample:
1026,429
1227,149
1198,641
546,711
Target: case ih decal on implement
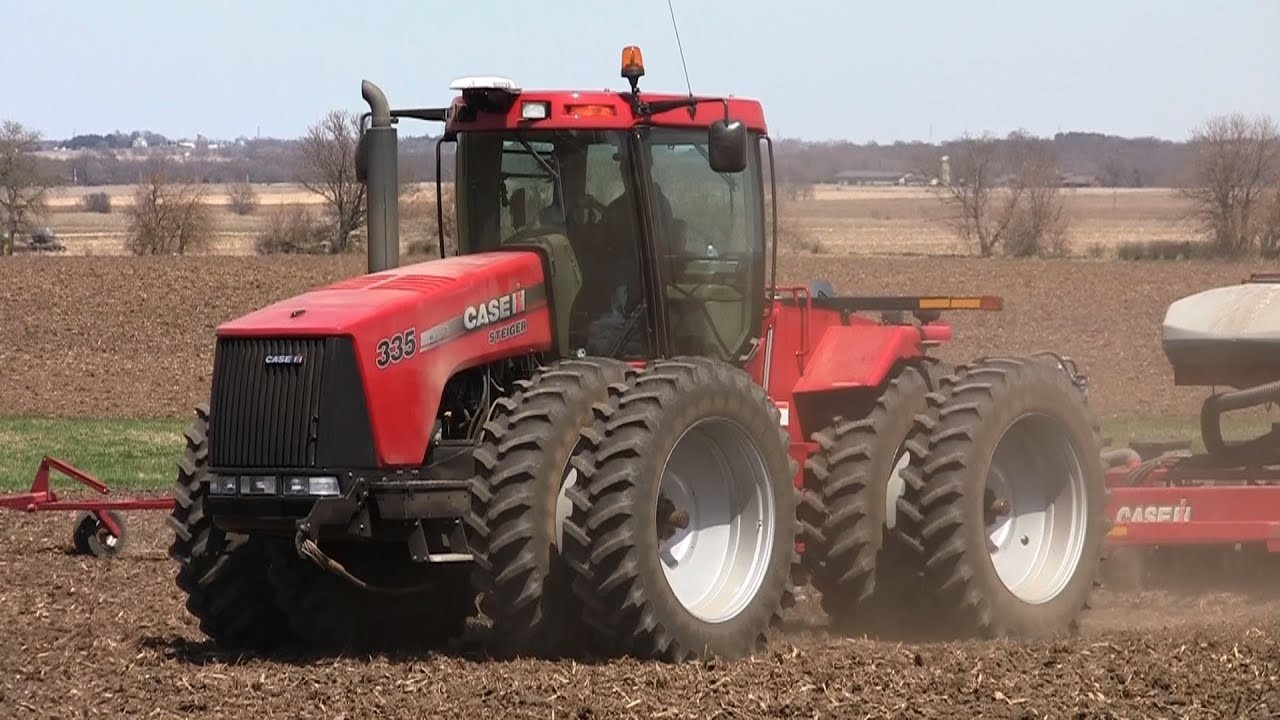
573,423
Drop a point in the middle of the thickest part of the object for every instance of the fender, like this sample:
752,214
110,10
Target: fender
857,356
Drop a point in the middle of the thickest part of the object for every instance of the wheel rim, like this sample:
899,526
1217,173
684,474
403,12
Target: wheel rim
716,478
894,488
564,506
1035,509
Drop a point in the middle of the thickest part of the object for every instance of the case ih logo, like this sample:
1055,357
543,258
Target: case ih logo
1154,513
284,359
499,308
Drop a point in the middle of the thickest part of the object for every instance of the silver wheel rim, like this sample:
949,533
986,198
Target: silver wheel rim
564,506
1035,509
894,489
716,564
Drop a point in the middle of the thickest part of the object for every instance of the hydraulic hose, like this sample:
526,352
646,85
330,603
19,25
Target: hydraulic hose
1261,450
1121,456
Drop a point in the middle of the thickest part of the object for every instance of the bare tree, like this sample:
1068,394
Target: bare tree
22,189
167,216
1005,195
420,220
291,229
1236,160
329,170
1037,223
242,198
1269,236
982,213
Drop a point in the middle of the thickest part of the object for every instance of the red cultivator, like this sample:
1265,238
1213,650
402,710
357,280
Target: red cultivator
1169,503
1180,499
100,529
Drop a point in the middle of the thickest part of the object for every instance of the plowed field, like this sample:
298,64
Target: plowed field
128,337
92,638
117,337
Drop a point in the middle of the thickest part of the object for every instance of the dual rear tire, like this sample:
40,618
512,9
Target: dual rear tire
1001,519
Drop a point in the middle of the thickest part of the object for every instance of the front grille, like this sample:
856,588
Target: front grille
265,415
305,408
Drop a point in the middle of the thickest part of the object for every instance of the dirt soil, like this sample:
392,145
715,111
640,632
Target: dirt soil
105,337
95,638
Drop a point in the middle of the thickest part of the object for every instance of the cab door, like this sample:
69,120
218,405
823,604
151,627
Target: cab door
708,230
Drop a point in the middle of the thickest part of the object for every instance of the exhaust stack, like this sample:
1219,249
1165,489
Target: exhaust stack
377,168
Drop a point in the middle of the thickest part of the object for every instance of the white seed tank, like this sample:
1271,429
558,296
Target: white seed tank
1226,336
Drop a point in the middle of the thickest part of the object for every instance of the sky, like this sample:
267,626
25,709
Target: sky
824,69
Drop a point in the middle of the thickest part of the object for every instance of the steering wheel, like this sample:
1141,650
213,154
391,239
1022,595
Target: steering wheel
731,277
589,211
728,279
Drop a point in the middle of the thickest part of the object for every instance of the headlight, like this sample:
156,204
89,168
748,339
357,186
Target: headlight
535,110
222,485
258,485
298,486
324,486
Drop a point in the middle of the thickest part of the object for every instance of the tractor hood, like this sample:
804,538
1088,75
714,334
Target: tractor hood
433,293
407,331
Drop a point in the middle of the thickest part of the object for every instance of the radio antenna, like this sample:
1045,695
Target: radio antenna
679,46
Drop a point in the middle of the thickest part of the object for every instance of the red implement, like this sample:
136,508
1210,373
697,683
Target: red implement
102,531
1173,501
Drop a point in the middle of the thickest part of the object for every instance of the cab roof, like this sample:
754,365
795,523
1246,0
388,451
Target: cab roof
596,110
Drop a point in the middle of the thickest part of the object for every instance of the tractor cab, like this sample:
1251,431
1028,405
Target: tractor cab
646,209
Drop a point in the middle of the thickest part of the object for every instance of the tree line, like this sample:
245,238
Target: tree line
1003,192
113,159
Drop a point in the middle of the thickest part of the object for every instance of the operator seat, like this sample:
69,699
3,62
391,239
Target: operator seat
565,282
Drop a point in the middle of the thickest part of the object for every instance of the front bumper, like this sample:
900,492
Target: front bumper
422,507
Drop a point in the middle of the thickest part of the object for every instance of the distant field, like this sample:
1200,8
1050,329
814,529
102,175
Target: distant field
913,221
87,233
837,220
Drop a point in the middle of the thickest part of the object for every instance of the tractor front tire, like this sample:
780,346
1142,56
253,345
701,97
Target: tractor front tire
518,505
1009,500
224,576
682,536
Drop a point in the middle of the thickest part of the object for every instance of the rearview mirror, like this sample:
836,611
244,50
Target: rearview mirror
727,146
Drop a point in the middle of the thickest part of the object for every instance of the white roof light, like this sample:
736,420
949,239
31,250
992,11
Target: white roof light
485,82
534,111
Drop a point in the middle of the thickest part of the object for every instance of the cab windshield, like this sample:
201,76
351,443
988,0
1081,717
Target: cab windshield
570,194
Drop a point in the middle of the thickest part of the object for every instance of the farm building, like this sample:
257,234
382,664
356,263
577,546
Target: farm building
1073,180
878,177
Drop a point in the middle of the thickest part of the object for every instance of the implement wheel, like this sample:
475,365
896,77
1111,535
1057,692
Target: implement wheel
1010,500
92,537
683,534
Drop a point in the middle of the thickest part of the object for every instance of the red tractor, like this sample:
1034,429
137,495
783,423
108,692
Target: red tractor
602,422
